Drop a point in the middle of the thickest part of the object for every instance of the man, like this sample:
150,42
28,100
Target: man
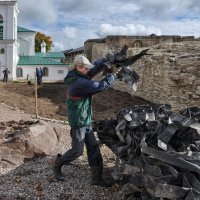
5,77
39,75
79,101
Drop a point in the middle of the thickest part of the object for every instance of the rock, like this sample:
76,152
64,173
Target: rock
24,140
41,139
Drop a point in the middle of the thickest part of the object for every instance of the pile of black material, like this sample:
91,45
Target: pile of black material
157,150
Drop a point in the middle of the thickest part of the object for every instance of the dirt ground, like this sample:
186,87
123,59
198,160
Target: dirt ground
51,100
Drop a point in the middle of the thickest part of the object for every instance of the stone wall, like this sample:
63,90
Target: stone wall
89,46
169,74
117,41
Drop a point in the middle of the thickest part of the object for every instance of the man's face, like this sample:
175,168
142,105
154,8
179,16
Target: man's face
83,69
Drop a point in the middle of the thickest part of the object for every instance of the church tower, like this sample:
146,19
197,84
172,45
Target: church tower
43,47
8,37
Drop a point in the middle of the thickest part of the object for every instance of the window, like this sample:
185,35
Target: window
1,19
1,32
2,51
60,71
19,72
1,27
45,71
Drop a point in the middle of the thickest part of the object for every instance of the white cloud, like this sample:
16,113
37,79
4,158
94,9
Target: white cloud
128,29
183,28
70,23
37,12
58,46
70,32
127,7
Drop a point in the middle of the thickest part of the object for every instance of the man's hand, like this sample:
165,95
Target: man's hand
115,70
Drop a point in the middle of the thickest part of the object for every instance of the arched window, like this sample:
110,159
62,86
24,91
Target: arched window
45,71
2,51
1,27
1,19
137,43
19,72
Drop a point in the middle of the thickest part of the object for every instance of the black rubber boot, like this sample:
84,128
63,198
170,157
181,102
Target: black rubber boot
96,177
57,168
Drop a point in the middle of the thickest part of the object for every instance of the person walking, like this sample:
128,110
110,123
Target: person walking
39,75
5,77
80,89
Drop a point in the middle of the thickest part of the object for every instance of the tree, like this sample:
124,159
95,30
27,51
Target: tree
39,37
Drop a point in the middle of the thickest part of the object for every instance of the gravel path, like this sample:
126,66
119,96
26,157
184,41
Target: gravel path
34,179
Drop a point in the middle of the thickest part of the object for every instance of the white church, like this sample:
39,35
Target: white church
17,50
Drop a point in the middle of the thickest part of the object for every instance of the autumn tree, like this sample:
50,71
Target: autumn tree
39,37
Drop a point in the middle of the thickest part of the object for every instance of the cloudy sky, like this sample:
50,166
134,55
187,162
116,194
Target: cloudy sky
71,22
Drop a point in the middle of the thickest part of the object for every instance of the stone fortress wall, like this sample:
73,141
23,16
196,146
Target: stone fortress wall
169,74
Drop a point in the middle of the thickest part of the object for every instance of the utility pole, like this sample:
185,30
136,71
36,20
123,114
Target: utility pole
36,97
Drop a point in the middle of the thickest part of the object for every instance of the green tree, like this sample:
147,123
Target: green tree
39,37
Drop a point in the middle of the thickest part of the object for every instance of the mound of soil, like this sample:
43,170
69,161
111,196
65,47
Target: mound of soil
52,97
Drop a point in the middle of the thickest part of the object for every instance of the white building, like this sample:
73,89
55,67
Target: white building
8,37
17,50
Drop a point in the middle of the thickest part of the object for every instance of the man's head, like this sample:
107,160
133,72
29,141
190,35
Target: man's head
82,64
